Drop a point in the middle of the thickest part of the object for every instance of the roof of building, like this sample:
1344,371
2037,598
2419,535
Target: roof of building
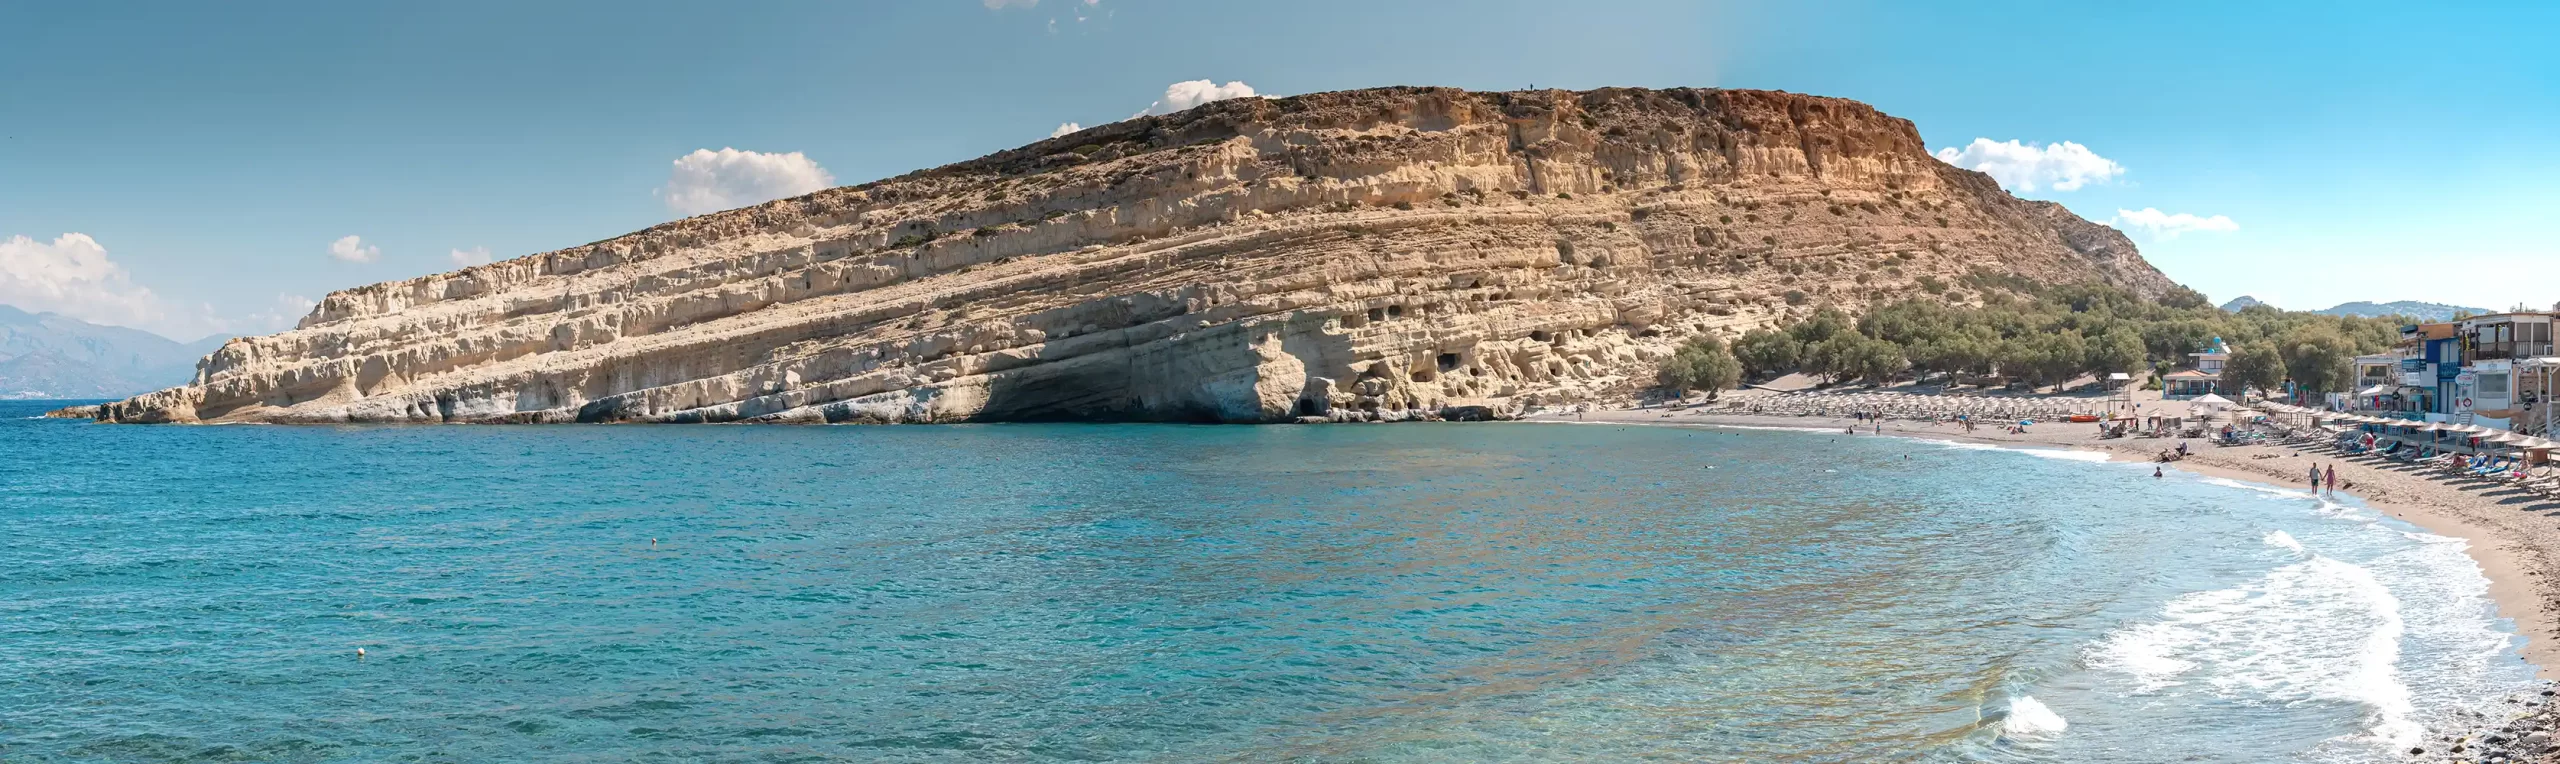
2184,374
2440,331
2510,315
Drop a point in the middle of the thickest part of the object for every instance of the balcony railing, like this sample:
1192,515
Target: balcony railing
2500,351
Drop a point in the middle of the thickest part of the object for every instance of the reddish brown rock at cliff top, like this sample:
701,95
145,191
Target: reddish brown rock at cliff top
1372,254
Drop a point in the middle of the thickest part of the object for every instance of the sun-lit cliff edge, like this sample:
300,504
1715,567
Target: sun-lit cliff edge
1373,254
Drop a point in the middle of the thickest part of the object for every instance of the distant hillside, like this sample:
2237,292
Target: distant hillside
49,355
2423,311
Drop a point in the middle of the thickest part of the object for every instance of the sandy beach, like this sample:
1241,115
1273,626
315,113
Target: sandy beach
2512,534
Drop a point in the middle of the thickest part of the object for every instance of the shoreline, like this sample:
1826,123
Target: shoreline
2514,539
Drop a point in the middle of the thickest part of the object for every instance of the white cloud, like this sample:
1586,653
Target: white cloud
469,257
1183,95
1065,128
73,276
353,249
710,181
2064,166
2168,226
287,310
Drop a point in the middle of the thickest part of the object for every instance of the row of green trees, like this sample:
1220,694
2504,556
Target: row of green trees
2042,335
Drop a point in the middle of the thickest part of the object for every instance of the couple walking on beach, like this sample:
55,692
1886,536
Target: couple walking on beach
2316,476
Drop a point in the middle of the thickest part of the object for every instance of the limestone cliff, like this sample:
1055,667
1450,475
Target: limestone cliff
1373,254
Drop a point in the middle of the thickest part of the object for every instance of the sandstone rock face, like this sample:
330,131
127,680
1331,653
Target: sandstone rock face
1364,255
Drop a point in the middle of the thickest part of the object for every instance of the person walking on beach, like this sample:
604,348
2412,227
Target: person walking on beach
2333,478
2315,477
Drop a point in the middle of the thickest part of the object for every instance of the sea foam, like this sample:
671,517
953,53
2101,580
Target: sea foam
2029,717
2047,453
2319,629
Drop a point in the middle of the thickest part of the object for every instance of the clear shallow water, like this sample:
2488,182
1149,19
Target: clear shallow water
1164,593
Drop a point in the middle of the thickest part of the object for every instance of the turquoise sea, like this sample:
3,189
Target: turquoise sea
1384,593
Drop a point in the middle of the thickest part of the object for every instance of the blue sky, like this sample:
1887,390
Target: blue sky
187,168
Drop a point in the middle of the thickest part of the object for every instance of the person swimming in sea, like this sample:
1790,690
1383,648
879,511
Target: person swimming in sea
2155,472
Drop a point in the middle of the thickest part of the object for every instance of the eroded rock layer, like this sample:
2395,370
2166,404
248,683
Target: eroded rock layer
1376,254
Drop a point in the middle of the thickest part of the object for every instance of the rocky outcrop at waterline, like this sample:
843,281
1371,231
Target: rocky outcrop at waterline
1372,254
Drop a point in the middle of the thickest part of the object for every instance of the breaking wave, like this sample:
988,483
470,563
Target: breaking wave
2029,717
2319,629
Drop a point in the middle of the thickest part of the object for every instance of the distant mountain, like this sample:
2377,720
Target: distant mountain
2423,311
49,355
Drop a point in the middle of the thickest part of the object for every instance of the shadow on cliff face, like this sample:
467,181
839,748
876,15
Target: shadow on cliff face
1236,374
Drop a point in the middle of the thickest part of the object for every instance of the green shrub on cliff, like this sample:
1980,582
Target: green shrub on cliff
2048,334
1702,363
1767,352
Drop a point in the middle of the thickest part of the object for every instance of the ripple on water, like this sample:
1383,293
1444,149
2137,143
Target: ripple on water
1440,593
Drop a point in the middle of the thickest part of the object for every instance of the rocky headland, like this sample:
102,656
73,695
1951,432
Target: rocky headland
1383,254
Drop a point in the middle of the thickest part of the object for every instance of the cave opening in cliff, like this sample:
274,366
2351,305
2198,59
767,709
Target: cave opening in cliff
1448,361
